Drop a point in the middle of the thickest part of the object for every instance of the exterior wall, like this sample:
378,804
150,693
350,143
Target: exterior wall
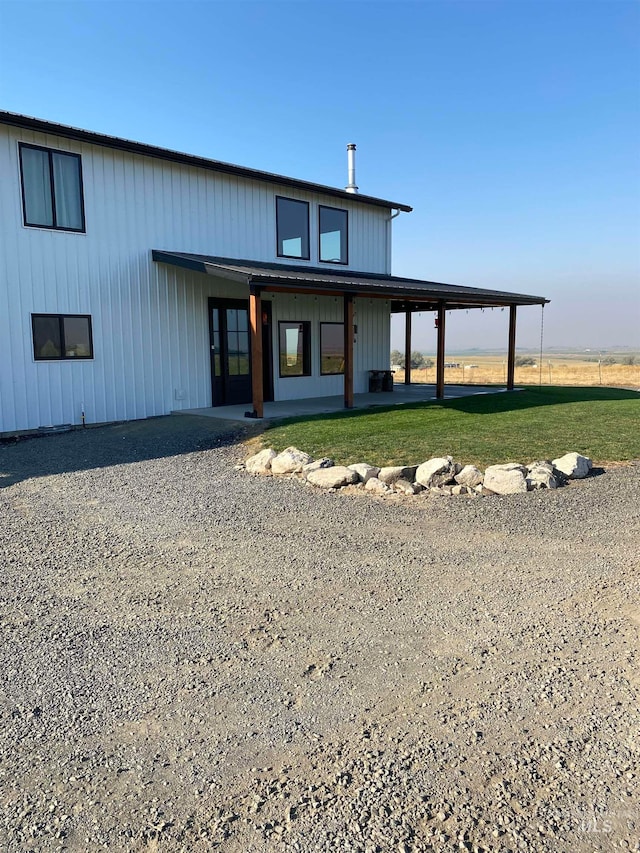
370,352
149,321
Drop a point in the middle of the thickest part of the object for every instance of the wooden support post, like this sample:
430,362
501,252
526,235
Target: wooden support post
348,351
407,346
255,325
440,352
511,357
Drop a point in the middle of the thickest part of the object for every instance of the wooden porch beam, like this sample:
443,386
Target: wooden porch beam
440,352
407,346
511,355
348,351
255,325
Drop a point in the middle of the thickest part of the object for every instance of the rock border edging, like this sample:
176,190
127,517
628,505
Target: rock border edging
439,475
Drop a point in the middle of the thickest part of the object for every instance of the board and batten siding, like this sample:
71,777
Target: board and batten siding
371,347
149,321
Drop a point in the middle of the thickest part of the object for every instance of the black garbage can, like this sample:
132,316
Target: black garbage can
387,380
375,381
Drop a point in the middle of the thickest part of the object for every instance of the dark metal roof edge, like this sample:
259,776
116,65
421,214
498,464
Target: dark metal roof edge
483,298
120,144
455,290
333,280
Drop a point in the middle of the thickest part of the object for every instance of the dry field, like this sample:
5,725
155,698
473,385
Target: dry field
555,370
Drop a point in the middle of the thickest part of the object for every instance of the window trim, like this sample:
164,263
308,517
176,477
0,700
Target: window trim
50,152
62,357
306,349
331,372
306,257
346,213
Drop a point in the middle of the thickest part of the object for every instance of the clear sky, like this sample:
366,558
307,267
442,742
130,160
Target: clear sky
511,127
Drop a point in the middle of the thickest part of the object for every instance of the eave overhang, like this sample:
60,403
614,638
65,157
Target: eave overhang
404,293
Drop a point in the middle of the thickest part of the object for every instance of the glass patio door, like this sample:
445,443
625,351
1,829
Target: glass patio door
230,351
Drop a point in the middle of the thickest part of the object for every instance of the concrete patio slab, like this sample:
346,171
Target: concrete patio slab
400,395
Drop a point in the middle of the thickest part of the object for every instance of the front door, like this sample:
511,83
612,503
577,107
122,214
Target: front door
230,351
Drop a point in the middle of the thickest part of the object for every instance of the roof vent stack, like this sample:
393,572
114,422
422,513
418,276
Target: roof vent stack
351,156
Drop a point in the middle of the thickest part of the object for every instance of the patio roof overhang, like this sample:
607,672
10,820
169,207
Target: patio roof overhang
406,294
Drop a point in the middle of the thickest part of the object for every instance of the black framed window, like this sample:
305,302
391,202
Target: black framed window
333,236
295,348
292,227
61,336
51,188
331,348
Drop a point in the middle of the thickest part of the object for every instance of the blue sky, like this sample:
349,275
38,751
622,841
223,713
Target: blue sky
512,128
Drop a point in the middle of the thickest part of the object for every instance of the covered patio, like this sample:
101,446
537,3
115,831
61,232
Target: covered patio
401,395
404,295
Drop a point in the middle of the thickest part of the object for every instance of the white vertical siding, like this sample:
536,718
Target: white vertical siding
149,321
370,351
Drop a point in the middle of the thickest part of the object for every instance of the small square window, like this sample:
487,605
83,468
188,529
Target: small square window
61,336
333,235
331,348
51,188
292,226
295,348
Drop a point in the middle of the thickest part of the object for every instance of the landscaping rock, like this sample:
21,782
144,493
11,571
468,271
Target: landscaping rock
376,486
364,471
325,462
436,472
541,476
260,463
461,490
573,465
508,479
469,476
290,461
441,490
397,472
407,488
332,478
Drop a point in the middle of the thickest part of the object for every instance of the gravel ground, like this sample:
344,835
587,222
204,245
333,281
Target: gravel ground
195,659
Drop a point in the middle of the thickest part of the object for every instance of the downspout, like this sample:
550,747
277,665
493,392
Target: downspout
389,242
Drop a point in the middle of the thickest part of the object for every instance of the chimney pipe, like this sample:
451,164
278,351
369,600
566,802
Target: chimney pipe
351,155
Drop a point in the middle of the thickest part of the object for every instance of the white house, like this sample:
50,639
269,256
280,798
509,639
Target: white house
136,280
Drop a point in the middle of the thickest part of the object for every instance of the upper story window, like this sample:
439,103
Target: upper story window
61,336
333,245
51,188
292,226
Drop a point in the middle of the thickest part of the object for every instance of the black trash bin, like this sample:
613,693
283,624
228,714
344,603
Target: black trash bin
375,381
387,380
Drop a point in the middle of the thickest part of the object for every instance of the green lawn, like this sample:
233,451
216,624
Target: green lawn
537,423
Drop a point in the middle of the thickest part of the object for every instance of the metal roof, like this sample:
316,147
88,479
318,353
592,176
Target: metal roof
406,292
42,126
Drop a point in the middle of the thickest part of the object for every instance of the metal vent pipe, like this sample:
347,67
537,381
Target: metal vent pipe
351,156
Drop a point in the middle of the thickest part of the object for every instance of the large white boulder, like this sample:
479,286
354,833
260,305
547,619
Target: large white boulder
364,471
508,479
469,476
391,473
376,486
436,472
260,463
290,461
332,478
573,465
540,475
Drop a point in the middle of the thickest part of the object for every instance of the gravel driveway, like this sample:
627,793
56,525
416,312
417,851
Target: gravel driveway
195,659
